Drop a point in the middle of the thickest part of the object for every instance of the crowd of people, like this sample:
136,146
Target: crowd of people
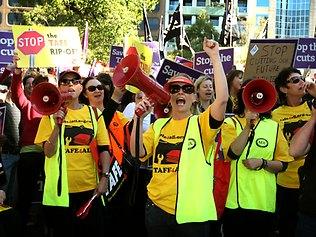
108,170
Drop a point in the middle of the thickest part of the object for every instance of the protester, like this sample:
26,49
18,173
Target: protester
234,81
31,162
251,140
292,114
304,143
130,110
177,206
10,148
70,169
119,208
9,220
205,94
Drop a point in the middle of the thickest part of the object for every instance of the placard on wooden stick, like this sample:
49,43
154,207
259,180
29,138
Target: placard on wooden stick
267,57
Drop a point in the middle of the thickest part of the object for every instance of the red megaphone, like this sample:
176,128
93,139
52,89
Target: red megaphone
47,99
128,72
259,95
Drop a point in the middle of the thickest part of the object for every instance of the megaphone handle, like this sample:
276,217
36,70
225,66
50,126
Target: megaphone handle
139,112
59,119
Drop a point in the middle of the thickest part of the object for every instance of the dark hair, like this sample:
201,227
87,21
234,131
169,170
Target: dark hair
7,81
240,107
32,74
39,79
281,81
231,76
106,80
83,99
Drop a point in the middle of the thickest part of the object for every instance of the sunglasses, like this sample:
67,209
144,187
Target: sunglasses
66,82
4,91
295,80
188,89
93,88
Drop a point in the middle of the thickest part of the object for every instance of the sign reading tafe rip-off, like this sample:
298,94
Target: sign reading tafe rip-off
40,46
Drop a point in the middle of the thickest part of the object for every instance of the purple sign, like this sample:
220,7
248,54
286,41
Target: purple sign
154,45
170,69
2,67
116,55
6,47
203,63
305,53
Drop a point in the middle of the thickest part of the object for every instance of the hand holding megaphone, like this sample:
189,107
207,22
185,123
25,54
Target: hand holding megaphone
143,108
47,99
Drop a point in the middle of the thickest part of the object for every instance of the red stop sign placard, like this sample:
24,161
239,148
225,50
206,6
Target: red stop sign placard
30,42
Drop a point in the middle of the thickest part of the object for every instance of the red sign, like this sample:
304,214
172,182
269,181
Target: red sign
30,42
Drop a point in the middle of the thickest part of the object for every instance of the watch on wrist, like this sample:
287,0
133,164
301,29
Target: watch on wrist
105,174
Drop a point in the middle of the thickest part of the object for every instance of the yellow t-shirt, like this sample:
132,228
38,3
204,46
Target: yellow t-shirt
77,136
162,189
290,119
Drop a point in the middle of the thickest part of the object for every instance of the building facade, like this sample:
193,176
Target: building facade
11,12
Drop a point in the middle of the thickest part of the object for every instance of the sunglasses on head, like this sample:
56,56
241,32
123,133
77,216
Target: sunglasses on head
295,80
93,88
66,82
188,89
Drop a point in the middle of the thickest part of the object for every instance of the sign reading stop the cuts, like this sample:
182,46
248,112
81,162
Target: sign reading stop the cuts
30,42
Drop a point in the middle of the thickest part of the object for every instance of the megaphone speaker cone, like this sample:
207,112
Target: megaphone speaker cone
259,95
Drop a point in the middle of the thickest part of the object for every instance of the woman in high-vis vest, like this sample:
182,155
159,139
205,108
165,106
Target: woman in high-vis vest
71,175
180,199
253,142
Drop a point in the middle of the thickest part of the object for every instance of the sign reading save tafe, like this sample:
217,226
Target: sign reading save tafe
40,46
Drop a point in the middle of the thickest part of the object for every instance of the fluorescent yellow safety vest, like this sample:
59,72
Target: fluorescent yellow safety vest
56,183
254,189
195,202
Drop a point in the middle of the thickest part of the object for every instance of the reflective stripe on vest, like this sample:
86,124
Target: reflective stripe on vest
252,189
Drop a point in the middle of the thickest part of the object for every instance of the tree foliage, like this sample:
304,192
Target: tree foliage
203,27
109,21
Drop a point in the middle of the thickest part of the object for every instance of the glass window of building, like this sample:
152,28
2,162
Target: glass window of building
173,4
24,3
214,20
16,18
262,3
292,18
153,23
242,6
187,20
187,3
201,3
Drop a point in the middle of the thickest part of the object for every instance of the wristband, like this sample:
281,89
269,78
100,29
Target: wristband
106,175
263,165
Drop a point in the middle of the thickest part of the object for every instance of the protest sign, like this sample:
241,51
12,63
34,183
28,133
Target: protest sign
203,63
145,53
155,66
169,69
40,46
6,47
116,55
306,53
267,57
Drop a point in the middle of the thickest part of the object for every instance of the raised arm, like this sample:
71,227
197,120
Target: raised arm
301,141
218,107
144,105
